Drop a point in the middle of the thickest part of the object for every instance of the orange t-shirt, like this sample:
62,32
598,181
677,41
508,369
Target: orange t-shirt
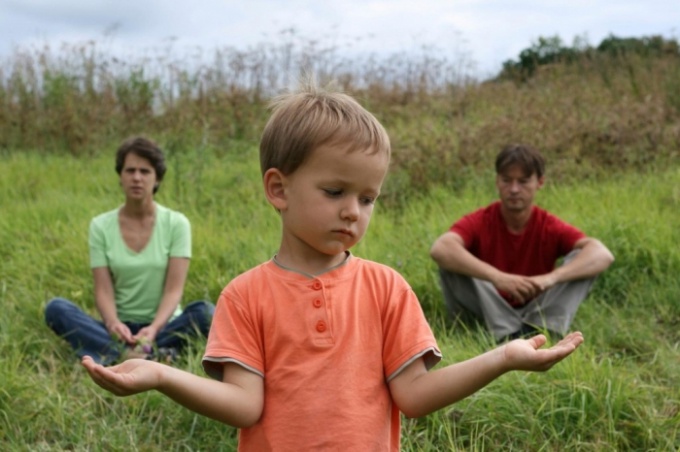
326,348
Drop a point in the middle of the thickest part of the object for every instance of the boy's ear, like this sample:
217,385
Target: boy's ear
274,188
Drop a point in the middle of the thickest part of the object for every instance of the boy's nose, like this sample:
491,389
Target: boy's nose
350,210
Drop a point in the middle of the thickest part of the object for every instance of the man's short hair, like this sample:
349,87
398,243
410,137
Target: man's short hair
526,157
145,148
309,118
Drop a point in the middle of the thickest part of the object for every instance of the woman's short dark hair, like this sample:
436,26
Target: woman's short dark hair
527,157
145,148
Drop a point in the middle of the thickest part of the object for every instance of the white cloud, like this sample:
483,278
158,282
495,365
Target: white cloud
491,31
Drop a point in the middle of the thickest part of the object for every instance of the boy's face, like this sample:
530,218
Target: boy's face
329,201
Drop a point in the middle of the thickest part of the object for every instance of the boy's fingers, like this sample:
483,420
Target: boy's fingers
538,341
573,339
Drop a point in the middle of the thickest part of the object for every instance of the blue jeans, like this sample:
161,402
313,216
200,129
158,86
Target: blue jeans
90,337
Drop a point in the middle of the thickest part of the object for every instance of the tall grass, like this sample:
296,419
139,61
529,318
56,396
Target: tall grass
620,391
590,117
609,128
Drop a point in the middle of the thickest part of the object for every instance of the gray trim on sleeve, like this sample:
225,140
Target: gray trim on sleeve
429,363
211,359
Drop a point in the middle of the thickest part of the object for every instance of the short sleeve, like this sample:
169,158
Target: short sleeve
468,228
97,245
235,336
407,335
567,235
181,236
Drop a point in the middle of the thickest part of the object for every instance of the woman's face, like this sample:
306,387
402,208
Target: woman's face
138,177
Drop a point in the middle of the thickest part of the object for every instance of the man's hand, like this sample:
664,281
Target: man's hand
545,282
526,354
521,288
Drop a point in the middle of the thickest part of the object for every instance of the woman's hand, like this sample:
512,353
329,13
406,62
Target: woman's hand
118,329
146,335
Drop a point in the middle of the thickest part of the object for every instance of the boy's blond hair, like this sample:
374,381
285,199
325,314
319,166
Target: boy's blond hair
311,117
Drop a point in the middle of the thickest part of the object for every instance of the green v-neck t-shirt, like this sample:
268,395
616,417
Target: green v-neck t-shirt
139,278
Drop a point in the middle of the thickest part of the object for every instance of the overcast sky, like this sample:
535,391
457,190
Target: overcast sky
489,32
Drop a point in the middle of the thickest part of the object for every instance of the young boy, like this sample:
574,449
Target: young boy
317,349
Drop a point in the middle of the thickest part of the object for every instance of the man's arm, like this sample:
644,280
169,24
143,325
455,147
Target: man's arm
418,392
592,259
449,252
237,400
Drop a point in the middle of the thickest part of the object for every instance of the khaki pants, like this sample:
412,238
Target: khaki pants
553,310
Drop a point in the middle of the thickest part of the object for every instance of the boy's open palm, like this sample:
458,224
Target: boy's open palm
127,378
526,354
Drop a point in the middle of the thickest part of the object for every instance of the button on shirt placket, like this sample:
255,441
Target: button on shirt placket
320,325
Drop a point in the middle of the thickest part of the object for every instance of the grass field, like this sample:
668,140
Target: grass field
619,391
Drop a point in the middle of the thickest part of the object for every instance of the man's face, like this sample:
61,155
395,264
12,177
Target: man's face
516,189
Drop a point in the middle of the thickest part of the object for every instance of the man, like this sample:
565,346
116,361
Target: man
499,262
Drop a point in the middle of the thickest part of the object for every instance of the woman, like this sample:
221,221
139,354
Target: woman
139,255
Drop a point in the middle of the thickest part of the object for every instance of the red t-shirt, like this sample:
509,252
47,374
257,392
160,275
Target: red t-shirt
534,251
